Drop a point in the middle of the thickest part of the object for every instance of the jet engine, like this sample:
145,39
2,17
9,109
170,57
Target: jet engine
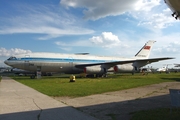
124,68
94,70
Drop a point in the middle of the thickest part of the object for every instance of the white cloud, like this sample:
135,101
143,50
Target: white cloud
66,48
146,5
73,43
170,49
153,14
149,12
69,45
157,20
106,39
50,21
12,52
95,9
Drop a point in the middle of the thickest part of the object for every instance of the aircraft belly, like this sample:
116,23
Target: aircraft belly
175,4
52,67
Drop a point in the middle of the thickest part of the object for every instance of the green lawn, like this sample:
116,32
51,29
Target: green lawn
60,85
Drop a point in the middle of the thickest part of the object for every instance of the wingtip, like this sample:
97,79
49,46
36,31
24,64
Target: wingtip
171,57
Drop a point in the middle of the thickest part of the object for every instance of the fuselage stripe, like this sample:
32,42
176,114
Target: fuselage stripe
62,60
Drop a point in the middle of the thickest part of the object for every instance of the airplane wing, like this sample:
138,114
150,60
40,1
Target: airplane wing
111,64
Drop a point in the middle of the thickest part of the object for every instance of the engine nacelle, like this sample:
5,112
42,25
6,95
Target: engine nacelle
94,70
124,68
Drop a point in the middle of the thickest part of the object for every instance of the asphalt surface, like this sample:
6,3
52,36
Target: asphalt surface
120,105
19,102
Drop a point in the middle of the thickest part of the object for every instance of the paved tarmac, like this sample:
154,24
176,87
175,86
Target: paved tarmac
19,102
119,105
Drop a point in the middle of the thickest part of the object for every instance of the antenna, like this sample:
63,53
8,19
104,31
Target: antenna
81,53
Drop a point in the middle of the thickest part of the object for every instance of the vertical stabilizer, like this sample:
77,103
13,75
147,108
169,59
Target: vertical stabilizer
145,50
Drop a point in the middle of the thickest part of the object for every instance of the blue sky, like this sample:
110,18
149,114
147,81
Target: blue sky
99,27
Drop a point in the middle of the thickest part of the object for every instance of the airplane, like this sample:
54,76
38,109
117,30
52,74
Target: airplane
163,69
83,63
174,5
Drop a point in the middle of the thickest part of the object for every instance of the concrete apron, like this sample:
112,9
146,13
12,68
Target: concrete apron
20,102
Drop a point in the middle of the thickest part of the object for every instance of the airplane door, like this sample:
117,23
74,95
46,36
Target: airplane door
38,72
26,65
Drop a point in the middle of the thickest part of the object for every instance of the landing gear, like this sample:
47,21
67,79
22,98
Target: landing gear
104,75
96,75
38,72
176,15
173,14
101,75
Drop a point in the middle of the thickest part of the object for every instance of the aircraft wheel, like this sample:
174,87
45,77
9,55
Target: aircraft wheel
173,14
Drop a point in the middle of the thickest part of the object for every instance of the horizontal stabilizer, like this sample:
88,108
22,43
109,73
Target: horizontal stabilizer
81,53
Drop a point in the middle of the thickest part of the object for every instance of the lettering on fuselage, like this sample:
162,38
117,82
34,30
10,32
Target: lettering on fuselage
141,55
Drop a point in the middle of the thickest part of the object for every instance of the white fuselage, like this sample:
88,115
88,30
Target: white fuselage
54,62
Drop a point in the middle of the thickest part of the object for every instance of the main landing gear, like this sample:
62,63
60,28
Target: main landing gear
176,15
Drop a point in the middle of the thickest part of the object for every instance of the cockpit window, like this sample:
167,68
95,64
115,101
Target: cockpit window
12,58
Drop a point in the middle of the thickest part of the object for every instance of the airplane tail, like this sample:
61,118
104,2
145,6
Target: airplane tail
145,50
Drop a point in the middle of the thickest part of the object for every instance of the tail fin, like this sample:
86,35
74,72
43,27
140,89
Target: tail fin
145,50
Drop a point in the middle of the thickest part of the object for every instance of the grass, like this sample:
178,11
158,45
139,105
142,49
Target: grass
60,85
157,114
